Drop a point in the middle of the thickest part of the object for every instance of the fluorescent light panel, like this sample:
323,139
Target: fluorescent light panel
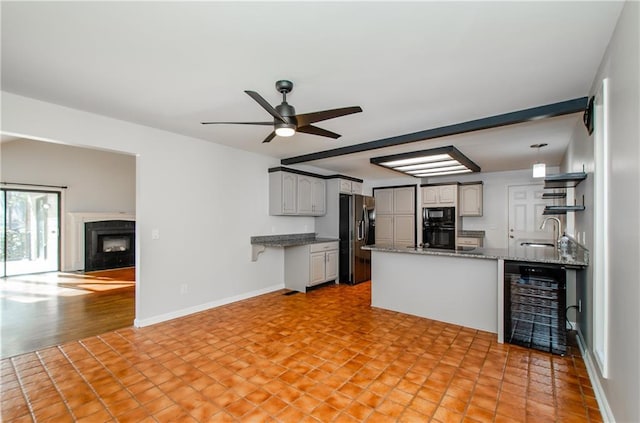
452,172
416,160
439,169
433,162
427,165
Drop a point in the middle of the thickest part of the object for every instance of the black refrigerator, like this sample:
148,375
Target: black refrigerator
357,229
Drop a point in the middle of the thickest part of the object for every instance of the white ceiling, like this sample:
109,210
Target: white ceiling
411,66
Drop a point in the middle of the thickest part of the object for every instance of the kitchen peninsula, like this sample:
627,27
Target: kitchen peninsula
463,287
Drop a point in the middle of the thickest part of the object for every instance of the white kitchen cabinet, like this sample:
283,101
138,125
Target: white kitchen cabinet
404,200
469,242
304,195
395,216
318,196
309,265
404,230
439,195
470,200
345,186
384,229
384,201
311,196
283,193
298,195
350,187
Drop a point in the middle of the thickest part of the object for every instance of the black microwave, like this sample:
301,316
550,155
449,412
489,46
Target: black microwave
439,215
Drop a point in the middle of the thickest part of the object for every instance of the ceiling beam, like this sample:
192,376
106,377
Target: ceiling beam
550,110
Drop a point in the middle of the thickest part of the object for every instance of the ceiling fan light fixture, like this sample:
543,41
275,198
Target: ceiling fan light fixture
285,129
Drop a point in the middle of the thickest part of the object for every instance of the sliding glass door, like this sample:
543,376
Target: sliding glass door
30,231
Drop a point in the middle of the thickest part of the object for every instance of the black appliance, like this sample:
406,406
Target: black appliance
356,229
534,306
439,227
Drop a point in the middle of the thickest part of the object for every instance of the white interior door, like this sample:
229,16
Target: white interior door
526,206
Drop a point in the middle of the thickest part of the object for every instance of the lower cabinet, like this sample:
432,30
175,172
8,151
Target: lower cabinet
309,265
398,230
469,242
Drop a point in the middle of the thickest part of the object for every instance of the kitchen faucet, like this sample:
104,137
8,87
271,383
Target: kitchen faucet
544,222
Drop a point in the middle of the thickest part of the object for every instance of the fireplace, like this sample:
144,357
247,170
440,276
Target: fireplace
109,244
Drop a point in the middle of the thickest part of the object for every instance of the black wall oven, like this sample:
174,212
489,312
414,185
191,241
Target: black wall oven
439,227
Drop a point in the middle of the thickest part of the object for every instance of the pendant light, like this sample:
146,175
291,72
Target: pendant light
539,169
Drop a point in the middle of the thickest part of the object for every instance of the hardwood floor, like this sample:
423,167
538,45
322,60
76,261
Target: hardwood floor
43,310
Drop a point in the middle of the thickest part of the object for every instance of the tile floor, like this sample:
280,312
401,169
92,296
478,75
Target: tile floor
324,356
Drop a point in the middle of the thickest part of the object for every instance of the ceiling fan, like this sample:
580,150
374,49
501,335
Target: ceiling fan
286,122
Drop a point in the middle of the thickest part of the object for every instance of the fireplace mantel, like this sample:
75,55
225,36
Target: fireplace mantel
74,246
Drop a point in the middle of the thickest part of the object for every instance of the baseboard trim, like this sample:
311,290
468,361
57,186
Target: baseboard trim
605,409
139,323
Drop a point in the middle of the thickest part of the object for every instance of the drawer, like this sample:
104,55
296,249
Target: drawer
323,246
470,242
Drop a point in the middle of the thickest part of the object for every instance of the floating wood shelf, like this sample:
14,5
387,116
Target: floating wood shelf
564,180
561,209
554,195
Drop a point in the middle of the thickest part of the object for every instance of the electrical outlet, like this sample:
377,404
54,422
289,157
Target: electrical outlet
155,233
184,288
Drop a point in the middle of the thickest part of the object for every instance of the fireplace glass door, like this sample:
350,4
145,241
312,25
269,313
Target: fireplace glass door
29,231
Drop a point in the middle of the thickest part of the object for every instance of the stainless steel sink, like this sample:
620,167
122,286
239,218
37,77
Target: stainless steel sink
537,244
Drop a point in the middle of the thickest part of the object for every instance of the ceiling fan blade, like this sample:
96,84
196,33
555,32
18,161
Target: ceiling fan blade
307,118
265,105
237,123
314,130
271,136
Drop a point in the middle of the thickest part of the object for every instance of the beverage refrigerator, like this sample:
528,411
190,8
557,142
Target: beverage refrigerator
356,229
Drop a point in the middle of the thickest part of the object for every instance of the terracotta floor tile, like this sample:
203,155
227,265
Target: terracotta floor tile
306,403
277,358
324,412
273,405
239,408
453,404
445,415
390,408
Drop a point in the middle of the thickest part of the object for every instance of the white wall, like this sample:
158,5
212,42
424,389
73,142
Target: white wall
97,181
207,200
621,65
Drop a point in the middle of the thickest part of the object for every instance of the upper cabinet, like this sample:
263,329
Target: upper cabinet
470,202
395,215
404,200
296,194
311,195
439,195
350,187
384,201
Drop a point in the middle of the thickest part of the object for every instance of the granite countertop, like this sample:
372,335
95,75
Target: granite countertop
289,240
578,257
